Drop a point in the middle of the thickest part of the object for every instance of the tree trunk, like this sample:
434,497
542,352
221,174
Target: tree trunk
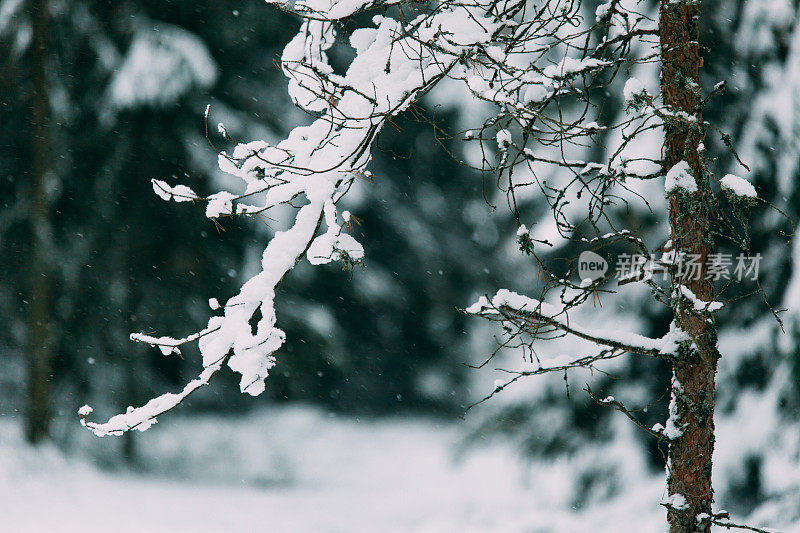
38,298
692,409
129,367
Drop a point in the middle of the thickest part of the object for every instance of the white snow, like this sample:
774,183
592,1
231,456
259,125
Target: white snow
504,298
641,167
680,177
674,428
534,93
738,186
602,11
633,88
676,501
334,243
219,204
503,139
300,470
162,64
697,303
178,193
570,66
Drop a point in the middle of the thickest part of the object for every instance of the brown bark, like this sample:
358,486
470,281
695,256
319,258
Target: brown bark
690,455
38,298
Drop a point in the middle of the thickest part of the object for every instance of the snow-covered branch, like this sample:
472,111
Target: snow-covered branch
531,316
396,62
530,62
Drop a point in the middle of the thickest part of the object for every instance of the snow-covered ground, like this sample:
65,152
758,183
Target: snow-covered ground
295,470
298,469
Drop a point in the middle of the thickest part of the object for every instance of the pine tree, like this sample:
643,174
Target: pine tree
690,455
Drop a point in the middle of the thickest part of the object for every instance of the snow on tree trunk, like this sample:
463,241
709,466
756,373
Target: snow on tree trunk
690,452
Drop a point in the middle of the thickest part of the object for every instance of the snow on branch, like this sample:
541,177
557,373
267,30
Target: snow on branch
530,315
561,363
738,186
524,59
396,62
142,418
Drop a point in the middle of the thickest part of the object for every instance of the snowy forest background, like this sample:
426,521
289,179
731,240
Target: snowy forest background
364,423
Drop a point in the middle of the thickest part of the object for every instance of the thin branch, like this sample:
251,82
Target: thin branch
611,402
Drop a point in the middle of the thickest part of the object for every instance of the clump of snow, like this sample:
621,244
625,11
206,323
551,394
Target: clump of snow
738,186
334,244
481,306
633,89
503,139
362,38
676,501
178,193
535,93
697,303
673,429
85,411
162,64
673,338
592,126
680,177
570,66
641,167
220,203
602,11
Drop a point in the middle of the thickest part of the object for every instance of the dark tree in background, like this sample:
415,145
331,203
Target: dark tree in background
40,234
